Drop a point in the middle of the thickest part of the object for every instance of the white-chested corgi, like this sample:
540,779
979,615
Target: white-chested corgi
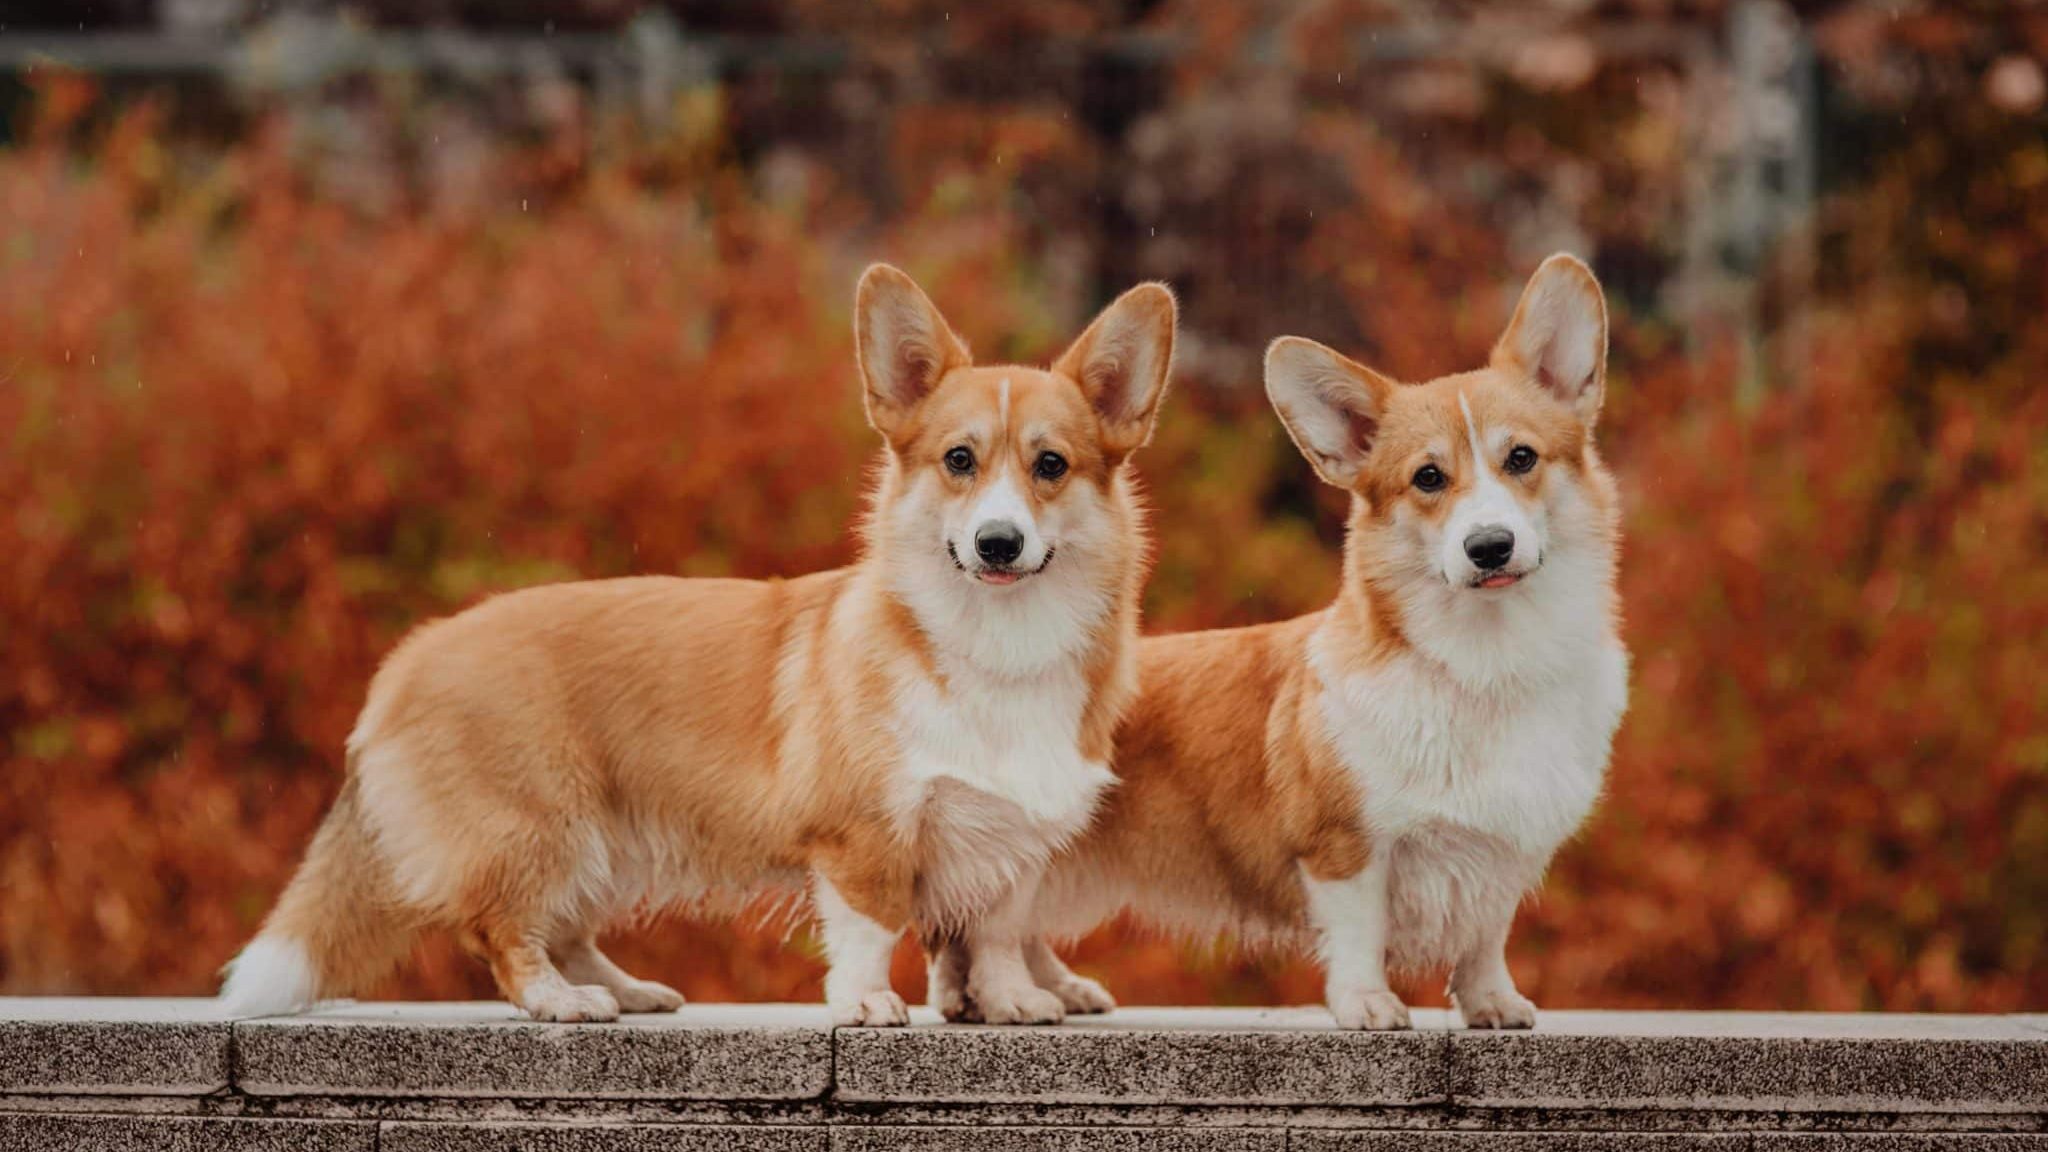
1384,779
910,738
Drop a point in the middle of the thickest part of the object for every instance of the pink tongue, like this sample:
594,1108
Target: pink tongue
1498,581
999,577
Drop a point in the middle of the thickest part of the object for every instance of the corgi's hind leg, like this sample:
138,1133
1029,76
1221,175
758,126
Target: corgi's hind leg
529,979
582,962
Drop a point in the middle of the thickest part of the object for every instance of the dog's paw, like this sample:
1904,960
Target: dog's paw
1083,997
1377,1010
952,1003
873,1010
1496,1008
647,996
573,1003
1019,1004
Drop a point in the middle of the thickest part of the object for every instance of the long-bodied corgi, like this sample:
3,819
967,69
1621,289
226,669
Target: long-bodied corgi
911,737
1387,778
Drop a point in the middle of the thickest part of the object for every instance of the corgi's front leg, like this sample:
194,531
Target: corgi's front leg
1077,993
1483,988
1350,916
1082,996
999,983
859,948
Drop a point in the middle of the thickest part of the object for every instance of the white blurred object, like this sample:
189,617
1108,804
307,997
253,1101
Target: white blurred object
185,17
2014,83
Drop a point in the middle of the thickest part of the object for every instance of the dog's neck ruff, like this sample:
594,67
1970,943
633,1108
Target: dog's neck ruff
1043,624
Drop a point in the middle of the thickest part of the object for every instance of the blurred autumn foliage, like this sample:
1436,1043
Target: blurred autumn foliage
267,403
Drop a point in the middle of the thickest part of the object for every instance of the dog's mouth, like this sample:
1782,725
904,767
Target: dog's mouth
1501,579
1000,575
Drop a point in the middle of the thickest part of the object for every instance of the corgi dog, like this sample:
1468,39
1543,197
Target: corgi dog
910,738
1385,779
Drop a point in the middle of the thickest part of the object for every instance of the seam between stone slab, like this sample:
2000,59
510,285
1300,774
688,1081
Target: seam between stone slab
1433,1120
832,1067
234,1058
1384,1119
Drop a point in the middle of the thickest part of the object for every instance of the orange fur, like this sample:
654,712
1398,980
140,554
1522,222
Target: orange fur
555,759
1234,793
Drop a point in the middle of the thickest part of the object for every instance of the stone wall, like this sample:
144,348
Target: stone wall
173,1074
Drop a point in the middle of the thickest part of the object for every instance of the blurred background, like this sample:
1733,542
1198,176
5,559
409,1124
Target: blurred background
320,319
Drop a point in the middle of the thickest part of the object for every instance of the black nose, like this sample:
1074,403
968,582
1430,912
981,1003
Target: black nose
1490,547
999,542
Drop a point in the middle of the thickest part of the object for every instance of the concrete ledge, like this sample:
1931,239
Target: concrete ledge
175,1075
118,1047
713,1052
1757,1062
1048,1139
1517,1142
414,1136
1150,1056
69,1133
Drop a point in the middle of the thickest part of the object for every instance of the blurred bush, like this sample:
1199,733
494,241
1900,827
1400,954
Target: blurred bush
255,424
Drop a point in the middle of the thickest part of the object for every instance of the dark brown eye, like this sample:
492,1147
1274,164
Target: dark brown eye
1430,478
1050,466
960,461
1521,459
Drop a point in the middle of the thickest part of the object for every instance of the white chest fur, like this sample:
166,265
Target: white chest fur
993,782
1471,790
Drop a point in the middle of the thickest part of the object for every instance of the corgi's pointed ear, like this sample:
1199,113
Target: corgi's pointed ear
1558,338
1122,363
904,345
1331,405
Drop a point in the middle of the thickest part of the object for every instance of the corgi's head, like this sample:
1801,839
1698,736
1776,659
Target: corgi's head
1008,484
1480,493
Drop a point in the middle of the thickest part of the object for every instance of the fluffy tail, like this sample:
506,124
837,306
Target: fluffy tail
335,930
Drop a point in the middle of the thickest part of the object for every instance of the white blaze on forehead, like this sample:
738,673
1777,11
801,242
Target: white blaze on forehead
1479,455
1004,402
1489,505
1490,502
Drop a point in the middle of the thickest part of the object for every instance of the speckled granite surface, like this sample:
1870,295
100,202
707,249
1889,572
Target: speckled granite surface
175,1074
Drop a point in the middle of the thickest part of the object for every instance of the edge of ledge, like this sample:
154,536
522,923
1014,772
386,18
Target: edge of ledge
1275,1059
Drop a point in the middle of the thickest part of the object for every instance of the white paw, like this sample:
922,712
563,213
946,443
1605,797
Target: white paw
1495,1008
1022,1003
573,1003
648,996
1377,1010
872,1010
1083,997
